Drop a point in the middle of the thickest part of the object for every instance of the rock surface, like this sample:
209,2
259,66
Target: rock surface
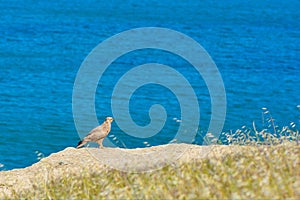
75,161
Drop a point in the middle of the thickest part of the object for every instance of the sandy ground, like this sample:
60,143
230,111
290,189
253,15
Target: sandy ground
75,161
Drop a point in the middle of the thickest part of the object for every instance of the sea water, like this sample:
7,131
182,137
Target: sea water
255,45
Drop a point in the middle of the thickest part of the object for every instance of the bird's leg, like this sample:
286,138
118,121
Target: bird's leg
100,144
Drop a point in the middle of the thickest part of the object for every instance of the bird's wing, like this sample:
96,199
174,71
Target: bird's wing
95,134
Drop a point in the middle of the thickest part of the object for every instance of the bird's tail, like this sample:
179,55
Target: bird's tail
80,144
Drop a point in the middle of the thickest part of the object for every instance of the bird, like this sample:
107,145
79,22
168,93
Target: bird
97,134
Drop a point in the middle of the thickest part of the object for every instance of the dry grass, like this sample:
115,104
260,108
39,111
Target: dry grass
266,172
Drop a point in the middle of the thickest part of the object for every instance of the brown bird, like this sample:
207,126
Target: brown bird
97,134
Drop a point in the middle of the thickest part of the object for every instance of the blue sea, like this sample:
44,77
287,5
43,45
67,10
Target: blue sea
254,44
